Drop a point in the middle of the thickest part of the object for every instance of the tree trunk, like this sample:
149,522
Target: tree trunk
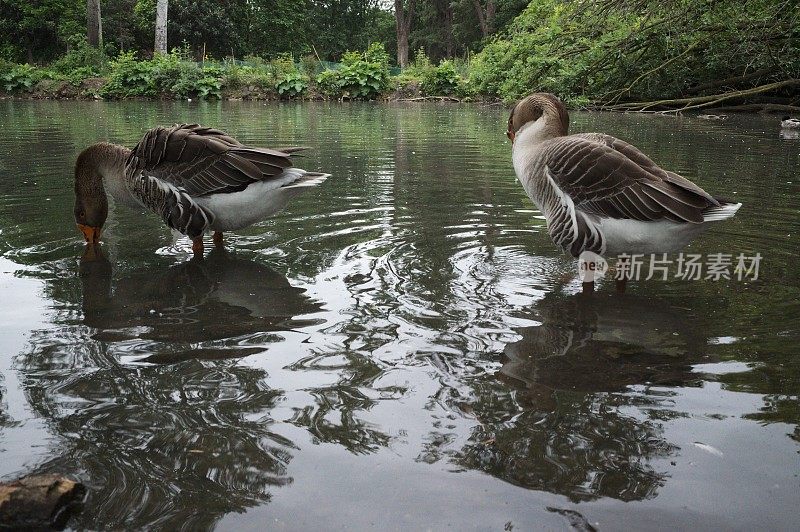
161,27
94,23
485,16
403,24
444,15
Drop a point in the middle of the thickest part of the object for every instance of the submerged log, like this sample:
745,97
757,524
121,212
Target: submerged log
698,102
39,502
431,99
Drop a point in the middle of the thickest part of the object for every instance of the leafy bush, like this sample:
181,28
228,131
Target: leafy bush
292,85
310,65
328,83
81,61
282,66
165,74
362,75
442,80
18,78
362,80
209,84
376,54
420,66
129,77
242,76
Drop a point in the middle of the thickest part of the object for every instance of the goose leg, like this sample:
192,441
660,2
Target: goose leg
622,283
588,287
197,246
218,239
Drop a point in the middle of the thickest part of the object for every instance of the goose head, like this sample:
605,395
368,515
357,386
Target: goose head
91,203
542,109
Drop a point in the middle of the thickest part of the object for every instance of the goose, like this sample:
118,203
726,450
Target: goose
790,123
601,194
197,179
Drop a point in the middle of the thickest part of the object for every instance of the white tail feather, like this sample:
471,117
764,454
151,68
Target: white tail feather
309,179
723,212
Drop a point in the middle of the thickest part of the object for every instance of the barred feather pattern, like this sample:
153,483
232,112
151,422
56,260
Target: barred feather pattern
204,161
171,166
173,204
599,193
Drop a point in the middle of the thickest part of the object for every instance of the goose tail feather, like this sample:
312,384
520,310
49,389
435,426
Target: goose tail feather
724,211
308,179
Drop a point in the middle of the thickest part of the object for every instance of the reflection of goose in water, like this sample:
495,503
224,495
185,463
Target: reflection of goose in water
199,300
603,344
551,424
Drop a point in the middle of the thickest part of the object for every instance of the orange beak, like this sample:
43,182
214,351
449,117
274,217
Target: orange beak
510,135
91,234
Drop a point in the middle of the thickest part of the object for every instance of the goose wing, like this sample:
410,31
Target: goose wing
203,161
605,176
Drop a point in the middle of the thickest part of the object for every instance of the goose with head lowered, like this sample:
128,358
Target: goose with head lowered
196,179
601,194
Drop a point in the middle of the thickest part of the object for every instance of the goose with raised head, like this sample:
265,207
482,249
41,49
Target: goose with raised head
196,179
601,194
790,123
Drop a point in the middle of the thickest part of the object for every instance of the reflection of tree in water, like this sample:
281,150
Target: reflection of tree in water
178,446
355,435
559,424
5,419
173,445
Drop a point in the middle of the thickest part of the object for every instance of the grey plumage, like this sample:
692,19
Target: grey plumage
195,178
584,182
171,166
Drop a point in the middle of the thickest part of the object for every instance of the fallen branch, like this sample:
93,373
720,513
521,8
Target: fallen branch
733,80
431,99
697,102
759,108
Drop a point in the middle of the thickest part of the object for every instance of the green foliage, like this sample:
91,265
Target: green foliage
310,65
607,51
292,85
328,83
42,28
442,80
164,75
376,54
20,78
129,77
243,76
420,66
363,75
81,61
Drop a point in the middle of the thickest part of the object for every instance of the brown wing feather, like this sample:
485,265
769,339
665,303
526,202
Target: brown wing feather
204,161
608,177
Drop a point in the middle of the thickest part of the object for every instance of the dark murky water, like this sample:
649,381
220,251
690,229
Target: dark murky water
402,349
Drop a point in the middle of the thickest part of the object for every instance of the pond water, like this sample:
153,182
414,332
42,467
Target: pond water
403,347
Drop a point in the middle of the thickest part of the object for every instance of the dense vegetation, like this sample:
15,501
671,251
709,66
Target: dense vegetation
625,54
621,51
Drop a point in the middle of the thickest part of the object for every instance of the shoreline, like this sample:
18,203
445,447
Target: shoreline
70,92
